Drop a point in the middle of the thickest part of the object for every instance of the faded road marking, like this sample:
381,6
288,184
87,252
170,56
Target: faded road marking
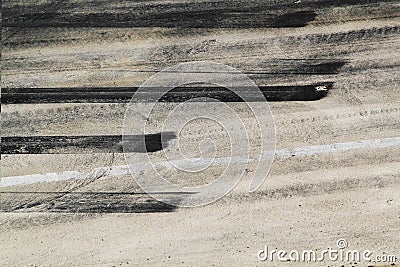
124,170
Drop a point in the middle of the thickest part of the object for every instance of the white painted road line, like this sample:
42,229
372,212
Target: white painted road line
124,170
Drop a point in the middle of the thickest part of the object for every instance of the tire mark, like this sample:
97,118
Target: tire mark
325,118
179,94
88,202
312,189
33,18
90,178
42,119
61,36
232,14
72,201
85,144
